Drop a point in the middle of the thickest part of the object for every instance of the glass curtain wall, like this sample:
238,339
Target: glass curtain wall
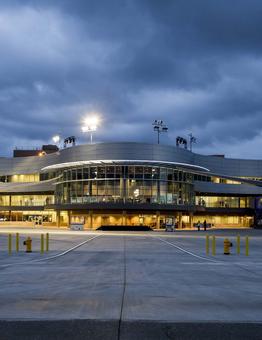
225,202
134,184
26,200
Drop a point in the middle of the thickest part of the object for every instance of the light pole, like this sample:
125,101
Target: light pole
56,140
159,127
90,125
192,140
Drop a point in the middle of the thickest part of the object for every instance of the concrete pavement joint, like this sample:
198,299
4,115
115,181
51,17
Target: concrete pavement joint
123,294
224,263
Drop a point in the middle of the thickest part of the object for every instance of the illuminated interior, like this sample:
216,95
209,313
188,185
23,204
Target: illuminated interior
133,184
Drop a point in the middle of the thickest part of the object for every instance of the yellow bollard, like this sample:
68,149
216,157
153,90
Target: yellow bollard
238,244
9,244
247,246
17,242
214,245
207,244
47,242
42,244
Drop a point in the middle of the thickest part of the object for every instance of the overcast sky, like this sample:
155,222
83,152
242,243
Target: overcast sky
197,65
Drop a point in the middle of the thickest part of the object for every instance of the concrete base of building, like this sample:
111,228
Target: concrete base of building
128,330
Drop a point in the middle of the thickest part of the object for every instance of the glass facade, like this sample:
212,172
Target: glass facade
217,180
125,183
35,217
224,202
225,221
21,178
26,200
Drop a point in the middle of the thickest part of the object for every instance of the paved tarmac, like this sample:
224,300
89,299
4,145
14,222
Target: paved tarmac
125,285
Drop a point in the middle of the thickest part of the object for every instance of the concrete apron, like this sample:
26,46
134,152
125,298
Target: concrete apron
128,330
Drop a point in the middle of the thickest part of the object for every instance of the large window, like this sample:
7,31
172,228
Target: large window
4,200
127,183
21,178
224,202
26,200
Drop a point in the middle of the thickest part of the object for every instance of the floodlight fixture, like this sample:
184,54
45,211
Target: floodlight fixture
90,125
70,140
181,141
56,139
159,127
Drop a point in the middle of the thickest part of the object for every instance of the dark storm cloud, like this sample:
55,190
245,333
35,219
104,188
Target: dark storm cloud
197,65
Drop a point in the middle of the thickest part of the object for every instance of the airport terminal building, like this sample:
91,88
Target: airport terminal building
129,184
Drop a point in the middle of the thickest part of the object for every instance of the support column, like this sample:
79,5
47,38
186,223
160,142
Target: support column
157,220
175,220
58,218
10,203
69,218
123,187
123,217
191,220
90,219
180,220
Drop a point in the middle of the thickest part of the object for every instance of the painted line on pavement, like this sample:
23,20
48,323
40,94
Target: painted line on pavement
205,263
53,256
186,251
224,263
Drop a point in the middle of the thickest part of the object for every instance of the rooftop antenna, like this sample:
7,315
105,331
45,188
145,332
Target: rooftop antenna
159,127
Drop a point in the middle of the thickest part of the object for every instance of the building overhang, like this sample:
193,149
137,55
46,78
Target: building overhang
103,206
124,161
21,208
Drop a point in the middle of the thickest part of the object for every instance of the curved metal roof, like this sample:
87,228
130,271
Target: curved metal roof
133,152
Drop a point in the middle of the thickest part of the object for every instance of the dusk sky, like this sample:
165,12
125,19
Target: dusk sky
197,65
